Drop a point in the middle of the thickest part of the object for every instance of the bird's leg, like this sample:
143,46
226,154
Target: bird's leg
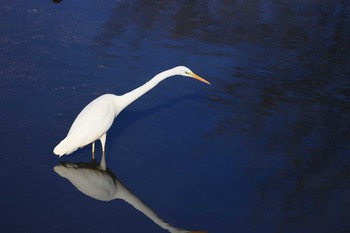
103,142
103,161
93,151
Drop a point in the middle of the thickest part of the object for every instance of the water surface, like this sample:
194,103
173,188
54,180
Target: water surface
263,149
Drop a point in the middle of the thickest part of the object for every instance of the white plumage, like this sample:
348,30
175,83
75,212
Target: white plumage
91,124
97,117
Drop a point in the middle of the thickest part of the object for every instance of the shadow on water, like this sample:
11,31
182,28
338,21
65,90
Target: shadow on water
99,182
220,22
307,189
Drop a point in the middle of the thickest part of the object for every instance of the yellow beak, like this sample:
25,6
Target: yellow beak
199,78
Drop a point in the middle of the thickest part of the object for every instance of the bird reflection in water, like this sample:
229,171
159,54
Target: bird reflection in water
99,182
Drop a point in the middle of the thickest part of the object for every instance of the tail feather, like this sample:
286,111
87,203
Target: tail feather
63,148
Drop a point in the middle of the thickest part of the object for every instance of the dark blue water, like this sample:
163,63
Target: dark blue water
265,148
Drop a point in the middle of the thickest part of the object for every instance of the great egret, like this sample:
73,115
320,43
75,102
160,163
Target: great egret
97,117
99,182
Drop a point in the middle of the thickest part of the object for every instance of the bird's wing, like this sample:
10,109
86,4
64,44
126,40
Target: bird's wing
92,122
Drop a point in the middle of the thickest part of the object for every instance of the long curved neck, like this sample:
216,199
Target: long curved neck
133,95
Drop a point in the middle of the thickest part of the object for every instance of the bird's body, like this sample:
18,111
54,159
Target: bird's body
91,124
97,117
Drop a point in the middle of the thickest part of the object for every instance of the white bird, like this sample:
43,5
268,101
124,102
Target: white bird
97,117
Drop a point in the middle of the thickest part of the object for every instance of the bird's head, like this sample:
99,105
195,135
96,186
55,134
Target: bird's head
184,71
